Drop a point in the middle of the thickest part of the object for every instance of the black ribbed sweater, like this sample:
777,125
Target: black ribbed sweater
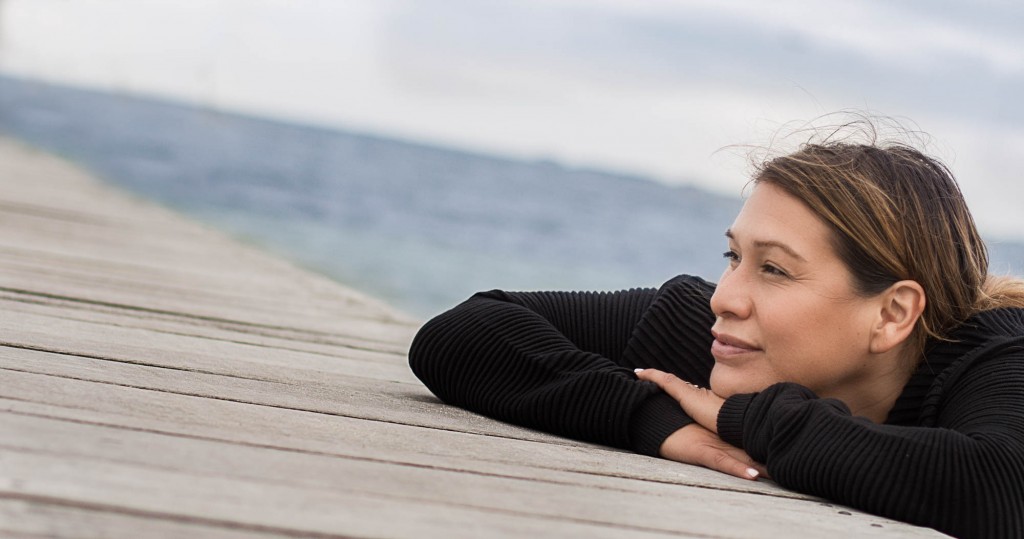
949,456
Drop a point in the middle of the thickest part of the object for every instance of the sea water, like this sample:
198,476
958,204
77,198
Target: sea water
422,227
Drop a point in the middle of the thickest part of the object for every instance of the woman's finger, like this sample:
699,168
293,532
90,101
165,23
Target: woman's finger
701,404
742,456
668,382
722,461
694,444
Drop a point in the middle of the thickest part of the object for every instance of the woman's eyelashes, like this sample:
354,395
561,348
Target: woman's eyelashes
769,269
773,271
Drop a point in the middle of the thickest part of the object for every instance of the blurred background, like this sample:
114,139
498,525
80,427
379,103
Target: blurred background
421,150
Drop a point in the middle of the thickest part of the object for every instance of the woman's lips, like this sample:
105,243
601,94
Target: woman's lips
726,346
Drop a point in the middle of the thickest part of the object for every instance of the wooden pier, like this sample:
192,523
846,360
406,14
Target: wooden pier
158,379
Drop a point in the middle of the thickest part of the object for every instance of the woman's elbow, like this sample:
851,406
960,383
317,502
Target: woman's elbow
426,359
438,350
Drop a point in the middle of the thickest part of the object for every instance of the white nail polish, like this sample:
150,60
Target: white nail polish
637,371
752,473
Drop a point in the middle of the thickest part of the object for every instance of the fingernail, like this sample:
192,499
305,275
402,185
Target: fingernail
752,473
637,371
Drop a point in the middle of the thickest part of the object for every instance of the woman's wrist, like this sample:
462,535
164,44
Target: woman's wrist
657,418
731,416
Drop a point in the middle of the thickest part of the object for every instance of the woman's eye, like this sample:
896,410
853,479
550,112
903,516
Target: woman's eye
731,256
772,270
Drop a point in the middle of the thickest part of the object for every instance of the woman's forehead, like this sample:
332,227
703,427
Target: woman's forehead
772,218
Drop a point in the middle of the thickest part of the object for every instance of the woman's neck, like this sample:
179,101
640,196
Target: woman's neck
876,394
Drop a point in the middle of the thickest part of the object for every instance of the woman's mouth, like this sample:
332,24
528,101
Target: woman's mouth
726,346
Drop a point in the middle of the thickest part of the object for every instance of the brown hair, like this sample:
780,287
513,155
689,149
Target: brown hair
897,214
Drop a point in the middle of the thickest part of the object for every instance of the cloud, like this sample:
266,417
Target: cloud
652,86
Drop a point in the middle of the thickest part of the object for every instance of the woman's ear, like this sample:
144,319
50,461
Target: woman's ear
900,309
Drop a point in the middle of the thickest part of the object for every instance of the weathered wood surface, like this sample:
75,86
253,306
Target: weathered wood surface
160,380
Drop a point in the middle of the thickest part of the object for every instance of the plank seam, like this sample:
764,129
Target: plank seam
396,353
478,473
175,517
296,533
275,406
117,360
397,349
177,314
334,414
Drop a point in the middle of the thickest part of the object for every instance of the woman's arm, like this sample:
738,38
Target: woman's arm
965,476
562,362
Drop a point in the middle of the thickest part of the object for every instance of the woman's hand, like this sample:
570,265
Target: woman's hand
693,444
699,443
699,403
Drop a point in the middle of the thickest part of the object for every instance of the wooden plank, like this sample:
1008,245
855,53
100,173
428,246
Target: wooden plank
191,273
476,455
18,270
456,450
193,353
627,506
56,253
262,505
92,247
385,337
37,517
361,397
528,452
289,313
394,341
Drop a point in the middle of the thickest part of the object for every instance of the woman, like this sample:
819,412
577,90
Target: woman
855,348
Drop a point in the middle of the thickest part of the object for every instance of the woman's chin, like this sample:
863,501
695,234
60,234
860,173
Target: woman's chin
728,382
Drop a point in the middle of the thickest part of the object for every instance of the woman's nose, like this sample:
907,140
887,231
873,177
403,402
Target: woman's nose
731,297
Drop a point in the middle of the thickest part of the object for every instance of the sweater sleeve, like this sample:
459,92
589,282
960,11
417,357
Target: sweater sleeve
964,476
561,362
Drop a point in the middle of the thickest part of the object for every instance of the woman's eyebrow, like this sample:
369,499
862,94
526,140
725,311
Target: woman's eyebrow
765,244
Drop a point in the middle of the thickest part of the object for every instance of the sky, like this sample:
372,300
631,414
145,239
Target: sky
651,87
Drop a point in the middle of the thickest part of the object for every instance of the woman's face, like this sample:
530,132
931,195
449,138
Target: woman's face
786,307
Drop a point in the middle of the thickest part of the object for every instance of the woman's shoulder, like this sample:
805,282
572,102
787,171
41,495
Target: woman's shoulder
987,348
684,300
985,335
1005,323
688,286
988,345
980,332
